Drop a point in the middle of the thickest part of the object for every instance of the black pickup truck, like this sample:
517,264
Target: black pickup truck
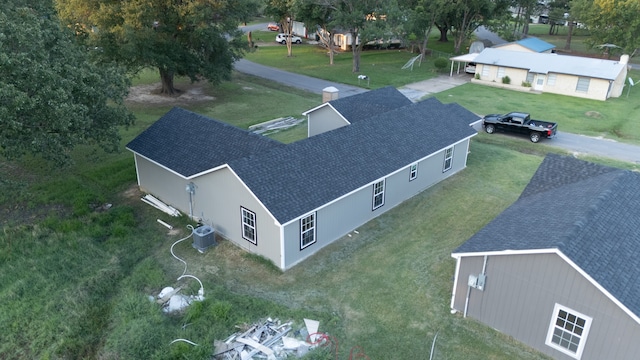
522,123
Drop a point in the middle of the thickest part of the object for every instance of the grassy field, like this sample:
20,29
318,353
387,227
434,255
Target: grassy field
383,67
75,273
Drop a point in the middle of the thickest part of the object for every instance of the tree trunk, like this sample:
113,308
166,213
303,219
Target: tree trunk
287,27
356,59
443,33
166,76
355,51
423,51
567,45
331,48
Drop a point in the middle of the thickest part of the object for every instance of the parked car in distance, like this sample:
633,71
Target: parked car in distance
282,39
470,68
273,27
521,123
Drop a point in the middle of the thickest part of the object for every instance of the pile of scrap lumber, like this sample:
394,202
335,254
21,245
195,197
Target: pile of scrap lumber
156,203
269,339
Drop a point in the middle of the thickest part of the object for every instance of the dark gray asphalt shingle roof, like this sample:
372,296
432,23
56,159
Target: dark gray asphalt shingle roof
588,212
304,175
365,105
292,180
188,143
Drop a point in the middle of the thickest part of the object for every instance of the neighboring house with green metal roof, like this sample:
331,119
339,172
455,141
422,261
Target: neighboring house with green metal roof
590,78
285,202
559,270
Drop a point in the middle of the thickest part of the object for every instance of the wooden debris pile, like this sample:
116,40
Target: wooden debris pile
270,339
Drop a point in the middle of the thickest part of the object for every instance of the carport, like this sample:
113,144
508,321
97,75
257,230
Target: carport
466,58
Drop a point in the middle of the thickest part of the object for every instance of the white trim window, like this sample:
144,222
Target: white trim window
485,71
551,79
307,230
378,194
530,77
583,84
448,159
249,226
413,171
568,331
501,71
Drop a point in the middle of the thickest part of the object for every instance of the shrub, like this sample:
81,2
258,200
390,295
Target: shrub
477,76
440,63
526,84
506,80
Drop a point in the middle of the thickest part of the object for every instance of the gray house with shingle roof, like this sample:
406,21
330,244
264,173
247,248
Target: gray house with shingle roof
285,202
559,269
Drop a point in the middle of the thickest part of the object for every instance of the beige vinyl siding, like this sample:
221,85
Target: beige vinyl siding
341,217
521,292
324,119
564,84
217,200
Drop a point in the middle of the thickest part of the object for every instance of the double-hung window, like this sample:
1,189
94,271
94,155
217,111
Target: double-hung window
307,230
530,77
568,331
249,226
551,79
378,194
485,71
448,159
413,171
583,84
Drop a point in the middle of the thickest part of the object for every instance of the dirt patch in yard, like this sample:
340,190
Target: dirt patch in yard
149,94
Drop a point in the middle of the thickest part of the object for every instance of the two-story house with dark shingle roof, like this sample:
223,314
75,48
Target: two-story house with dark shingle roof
559,270
285,202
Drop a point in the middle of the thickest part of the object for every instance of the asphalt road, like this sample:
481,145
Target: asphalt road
294,80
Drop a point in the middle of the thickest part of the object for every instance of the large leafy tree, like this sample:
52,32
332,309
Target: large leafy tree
194,38
52,97
317,14
613,22
462,17
364,20
465,16
557,9
283,11
421,17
